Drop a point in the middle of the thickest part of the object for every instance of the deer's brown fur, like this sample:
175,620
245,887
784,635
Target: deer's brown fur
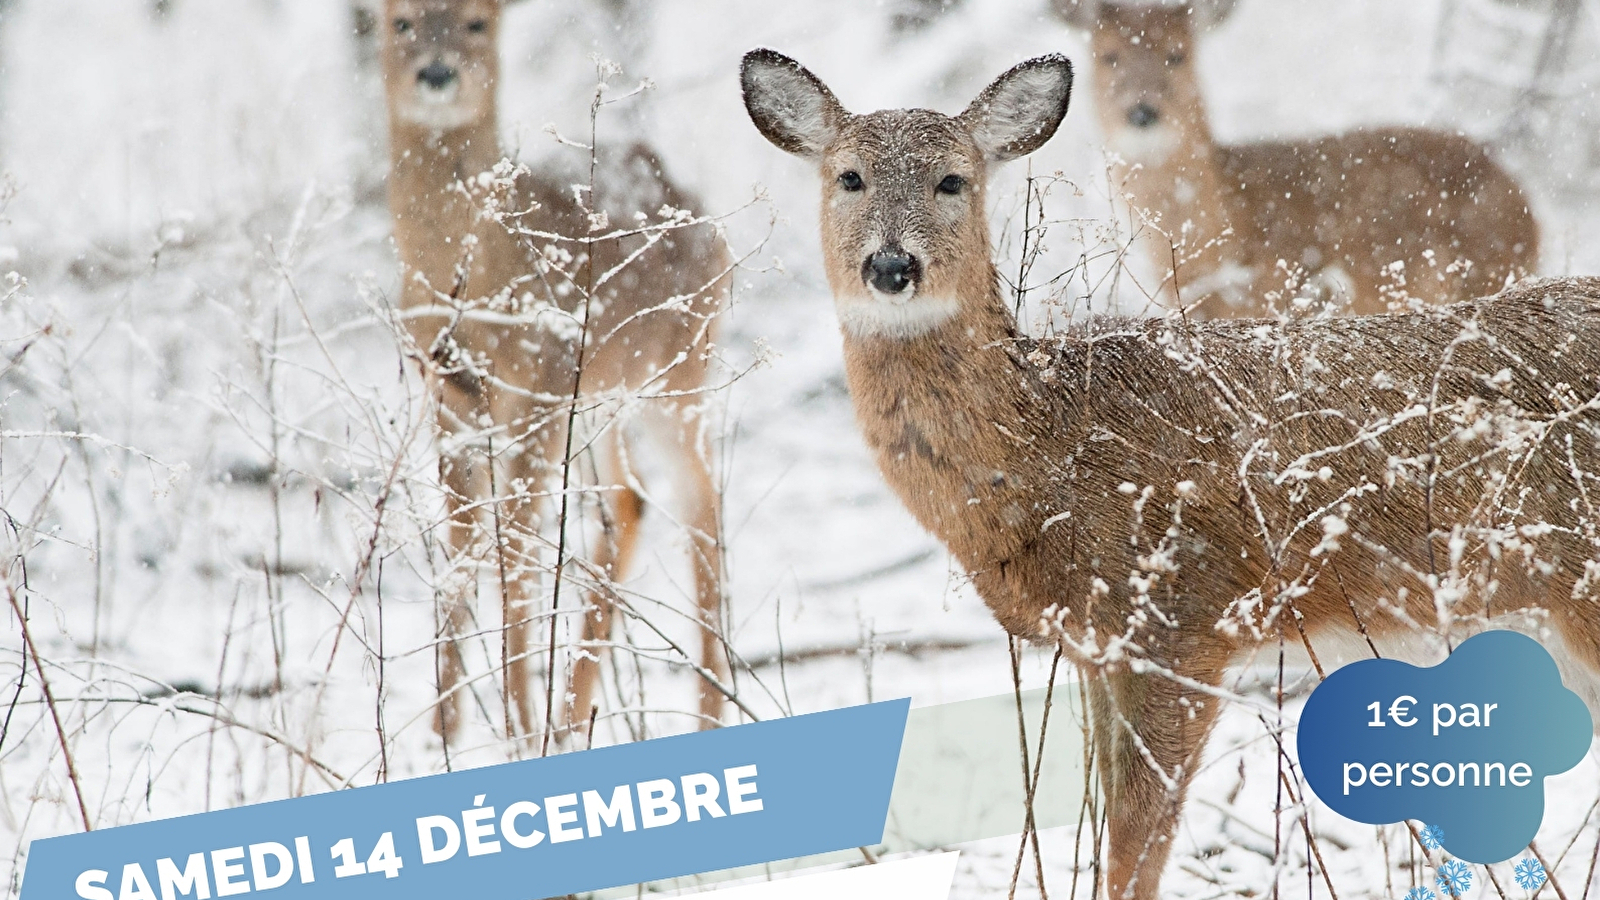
501,335
1342,209
1161,496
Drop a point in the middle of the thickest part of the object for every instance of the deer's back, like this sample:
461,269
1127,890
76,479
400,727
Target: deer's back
655,288
653,292
1367,198
1326,453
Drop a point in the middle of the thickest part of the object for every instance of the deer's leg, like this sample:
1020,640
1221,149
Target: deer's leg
620,510
1578,654
1148,733
457,476
522,504
702,516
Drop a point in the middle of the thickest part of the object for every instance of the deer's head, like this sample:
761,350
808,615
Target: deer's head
441,61
1145,87
905,238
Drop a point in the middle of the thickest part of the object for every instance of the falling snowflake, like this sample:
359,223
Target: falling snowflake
1454,878
1432,837
1530,874
1421,893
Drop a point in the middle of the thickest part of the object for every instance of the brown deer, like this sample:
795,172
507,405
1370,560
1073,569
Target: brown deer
1365,218
1162,497
496,307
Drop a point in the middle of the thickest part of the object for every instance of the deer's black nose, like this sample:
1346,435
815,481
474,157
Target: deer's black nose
1143,115
436,75
891,270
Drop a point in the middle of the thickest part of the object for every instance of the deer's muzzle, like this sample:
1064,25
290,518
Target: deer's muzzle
891,270
437,75
1143,115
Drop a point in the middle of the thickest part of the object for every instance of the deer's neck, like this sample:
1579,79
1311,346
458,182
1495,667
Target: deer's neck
963,431
1178,179
431,213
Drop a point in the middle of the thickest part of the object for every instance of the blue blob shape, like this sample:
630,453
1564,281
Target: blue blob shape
1535,721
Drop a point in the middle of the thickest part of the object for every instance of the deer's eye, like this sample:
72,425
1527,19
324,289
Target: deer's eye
401,26
1176,58
478,26
952,184
851,180
1109,59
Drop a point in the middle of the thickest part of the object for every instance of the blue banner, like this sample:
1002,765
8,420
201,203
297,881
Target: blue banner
537,828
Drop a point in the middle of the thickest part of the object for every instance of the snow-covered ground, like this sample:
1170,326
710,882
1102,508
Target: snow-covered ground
203,404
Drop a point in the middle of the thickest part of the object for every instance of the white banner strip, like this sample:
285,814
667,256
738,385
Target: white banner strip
919,878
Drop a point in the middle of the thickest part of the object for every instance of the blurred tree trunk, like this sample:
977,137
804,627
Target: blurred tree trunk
371,124
910,16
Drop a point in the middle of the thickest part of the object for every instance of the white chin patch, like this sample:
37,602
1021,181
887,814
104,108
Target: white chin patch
438,109
895,316
1144,145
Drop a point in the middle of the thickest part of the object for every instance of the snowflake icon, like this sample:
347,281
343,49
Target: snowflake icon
1421,893
1530,874
1453,878
1432,837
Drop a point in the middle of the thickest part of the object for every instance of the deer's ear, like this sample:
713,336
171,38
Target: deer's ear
1078,13
1022,109
788,104
1211,13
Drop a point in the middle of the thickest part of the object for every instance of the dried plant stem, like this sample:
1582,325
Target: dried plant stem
357,579
329,775
222,669
709,677
50,701
1311,841
379,693
1594,856
1087,811
1277,803
1494,882
572,422
510,695
1550,874
1038,767
1030,773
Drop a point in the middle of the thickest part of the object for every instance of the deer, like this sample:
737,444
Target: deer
510,336
1363,219
1161,499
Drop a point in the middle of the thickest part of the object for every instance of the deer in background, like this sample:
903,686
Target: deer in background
498,316
1162,498
1342,210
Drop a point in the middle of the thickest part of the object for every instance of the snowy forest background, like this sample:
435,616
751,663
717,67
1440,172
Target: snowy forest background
214,460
